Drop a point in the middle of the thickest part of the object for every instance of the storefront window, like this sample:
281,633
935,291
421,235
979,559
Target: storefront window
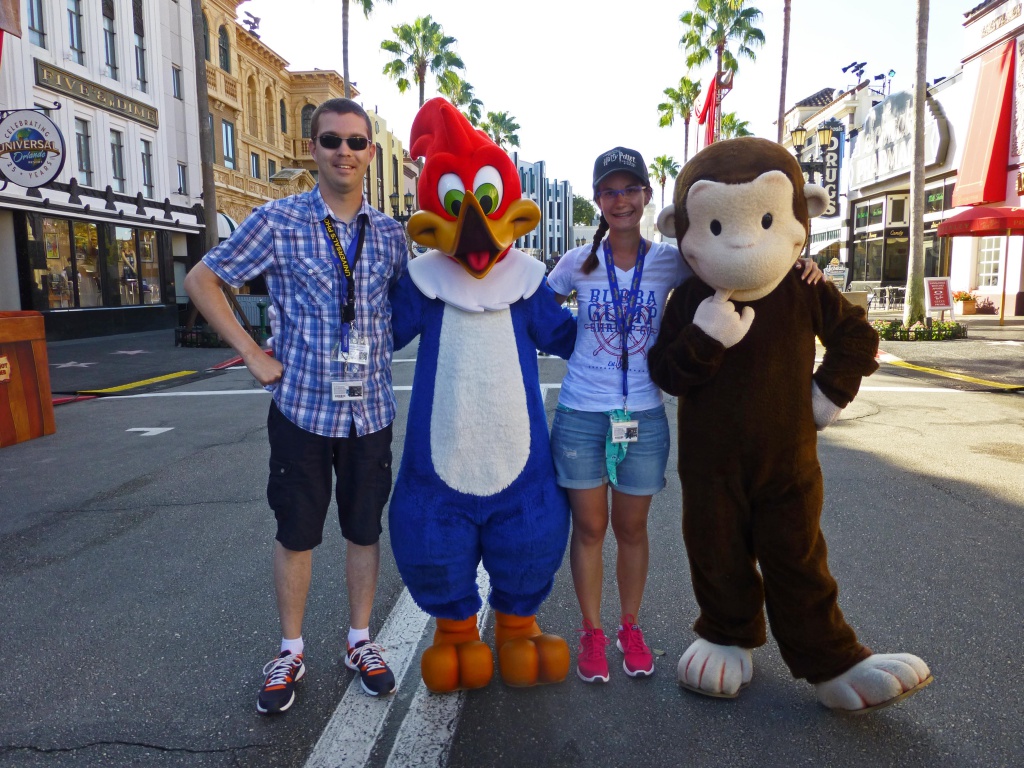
57,241
897,250
989,251
933,200
875,213
149,269
873,259
129,272
86,265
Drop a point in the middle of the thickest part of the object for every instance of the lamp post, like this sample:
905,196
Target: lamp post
395,214
814,165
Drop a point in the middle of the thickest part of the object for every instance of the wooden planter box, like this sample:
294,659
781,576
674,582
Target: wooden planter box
26,404
968,307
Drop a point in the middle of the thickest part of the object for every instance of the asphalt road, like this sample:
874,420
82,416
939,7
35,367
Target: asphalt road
138,606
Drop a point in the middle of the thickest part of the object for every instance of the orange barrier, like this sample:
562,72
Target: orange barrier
26,405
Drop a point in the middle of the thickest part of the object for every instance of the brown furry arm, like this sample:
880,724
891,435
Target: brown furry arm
683,355
850,345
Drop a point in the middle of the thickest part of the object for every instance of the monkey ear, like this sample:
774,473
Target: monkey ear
667,222
817,200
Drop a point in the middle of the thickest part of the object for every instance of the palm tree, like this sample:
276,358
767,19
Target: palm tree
661,168
367,8
460,93
205,132
501,127
417,48
711,27
732,126
913,307
787,13
680,101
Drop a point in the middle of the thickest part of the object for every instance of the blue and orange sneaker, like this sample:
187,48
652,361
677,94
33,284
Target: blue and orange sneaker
278,691
374,675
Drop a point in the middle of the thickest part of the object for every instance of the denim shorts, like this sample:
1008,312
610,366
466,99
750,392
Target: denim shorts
578,441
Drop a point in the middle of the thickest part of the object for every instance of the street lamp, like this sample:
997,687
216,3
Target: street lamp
814,165
408,200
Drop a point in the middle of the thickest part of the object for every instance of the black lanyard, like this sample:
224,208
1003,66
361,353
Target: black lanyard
348,308
624,314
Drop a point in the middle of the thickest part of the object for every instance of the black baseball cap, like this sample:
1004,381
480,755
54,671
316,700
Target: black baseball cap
620,159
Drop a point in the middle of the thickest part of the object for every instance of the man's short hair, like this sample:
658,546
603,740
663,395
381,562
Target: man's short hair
340,107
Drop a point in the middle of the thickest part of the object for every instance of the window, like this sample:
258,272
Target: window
140,63
380,178
990,249
899,211
307,120
182,179
109,40
176,82
254,165
271,168
284,117
147,166
84,174
933,200
117,160
252,103
36,30
224,48
75,31
206,37
228,142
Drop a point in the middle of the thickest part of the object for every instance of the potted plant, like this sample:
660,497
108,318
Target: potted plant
968,302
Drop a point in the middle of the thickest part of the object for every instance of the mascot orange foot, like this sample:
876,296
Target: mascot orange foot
527,656
457,660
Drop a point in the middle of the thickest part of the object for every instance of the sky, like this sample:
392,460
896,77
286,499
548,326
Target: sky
583,77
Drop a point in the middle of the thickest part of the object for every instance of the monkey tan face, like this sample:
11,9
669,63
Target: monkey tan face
742,237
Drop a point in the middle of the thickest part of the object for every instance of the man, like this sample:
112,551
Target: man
333,404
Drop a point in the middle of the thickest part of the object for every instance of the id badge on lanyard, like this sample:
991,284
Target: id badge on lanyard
624,430
352,349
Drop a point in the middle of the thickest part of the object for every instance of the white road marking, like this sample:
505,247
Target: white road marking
425,736
150,431
352,732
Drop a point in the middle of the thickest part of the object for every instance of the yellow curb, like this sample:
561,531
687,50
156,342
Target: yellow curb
135,384
957,376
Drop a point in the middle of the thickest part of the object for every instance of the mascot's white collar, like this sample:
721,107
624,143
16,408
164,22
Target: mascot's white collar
517,276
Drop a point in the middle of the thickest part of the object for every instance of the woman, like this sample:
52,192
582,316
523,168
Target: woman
610,426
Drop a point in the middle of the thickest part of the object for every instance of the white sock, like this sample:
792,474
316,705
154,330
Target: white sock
356,636
292,646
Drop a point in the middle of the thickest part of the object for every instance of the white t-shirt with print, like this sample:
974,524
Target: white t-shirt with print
594,379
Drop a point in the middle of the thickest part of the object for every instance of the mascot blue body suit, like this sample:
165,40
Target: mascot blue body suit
476,481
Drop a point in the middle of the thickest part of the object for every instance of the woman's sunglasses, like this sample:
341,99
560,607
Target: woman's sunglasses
330,141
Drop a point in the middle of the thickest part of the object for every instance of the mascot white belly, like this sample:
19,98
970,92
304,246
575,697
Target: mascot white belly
479,435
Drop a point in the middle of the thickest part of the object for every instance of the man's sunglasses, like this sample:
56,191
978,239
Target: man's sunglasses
330,141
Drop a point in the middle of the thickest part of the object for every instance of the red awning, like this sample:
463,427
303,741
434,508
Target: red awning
982,177
984,221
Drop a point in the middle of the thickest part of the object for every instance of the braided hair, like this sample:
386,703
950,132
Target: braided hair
591,262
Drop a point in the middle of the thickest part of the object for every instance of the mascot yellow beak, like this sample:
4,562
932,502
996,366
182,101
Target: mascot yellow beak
473,240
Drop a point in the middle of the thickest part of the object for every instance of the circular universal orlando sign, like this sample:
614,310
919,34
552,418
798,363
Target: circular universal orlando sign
31,148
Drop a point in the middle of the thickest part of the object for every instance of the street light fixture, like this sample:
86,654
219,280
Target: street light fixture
814,165
408,199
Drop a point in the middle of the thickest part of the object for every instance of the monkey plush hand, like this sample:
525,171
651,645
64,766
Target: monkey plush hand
718,318
737,347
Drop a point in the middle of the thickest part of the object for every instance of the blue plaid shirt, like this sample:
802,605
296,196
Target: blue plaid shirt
285,241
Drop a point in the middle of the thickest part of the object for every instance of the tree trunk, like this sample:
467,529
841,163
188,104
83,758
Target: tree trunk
787,11
344,48
686,139
206,150
421,75
718,93
913,308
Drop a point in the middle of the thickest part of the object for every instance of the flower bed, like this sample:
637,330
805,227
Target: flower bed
894,330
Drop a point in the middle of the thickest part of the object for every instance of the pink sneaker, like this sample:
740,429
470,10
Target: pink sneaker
638,660
591,662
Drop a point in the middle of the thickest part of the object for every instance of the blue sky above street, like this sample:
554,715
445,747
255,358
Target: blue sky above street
579,82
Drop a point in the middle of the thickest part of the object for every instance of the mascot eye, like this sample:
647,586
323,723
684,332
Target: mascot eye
488,188
716,227
766,221
450,191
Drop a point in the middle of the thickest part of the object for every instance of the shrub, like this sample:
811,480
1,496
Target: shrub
964,296
894,330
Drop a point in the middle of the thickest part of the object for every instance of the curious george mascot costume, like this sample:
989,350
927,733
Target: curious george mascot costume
476,482
737,347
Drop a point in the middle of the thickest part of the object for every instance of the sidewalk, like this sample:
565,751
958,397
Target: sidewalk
135,361
991,354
